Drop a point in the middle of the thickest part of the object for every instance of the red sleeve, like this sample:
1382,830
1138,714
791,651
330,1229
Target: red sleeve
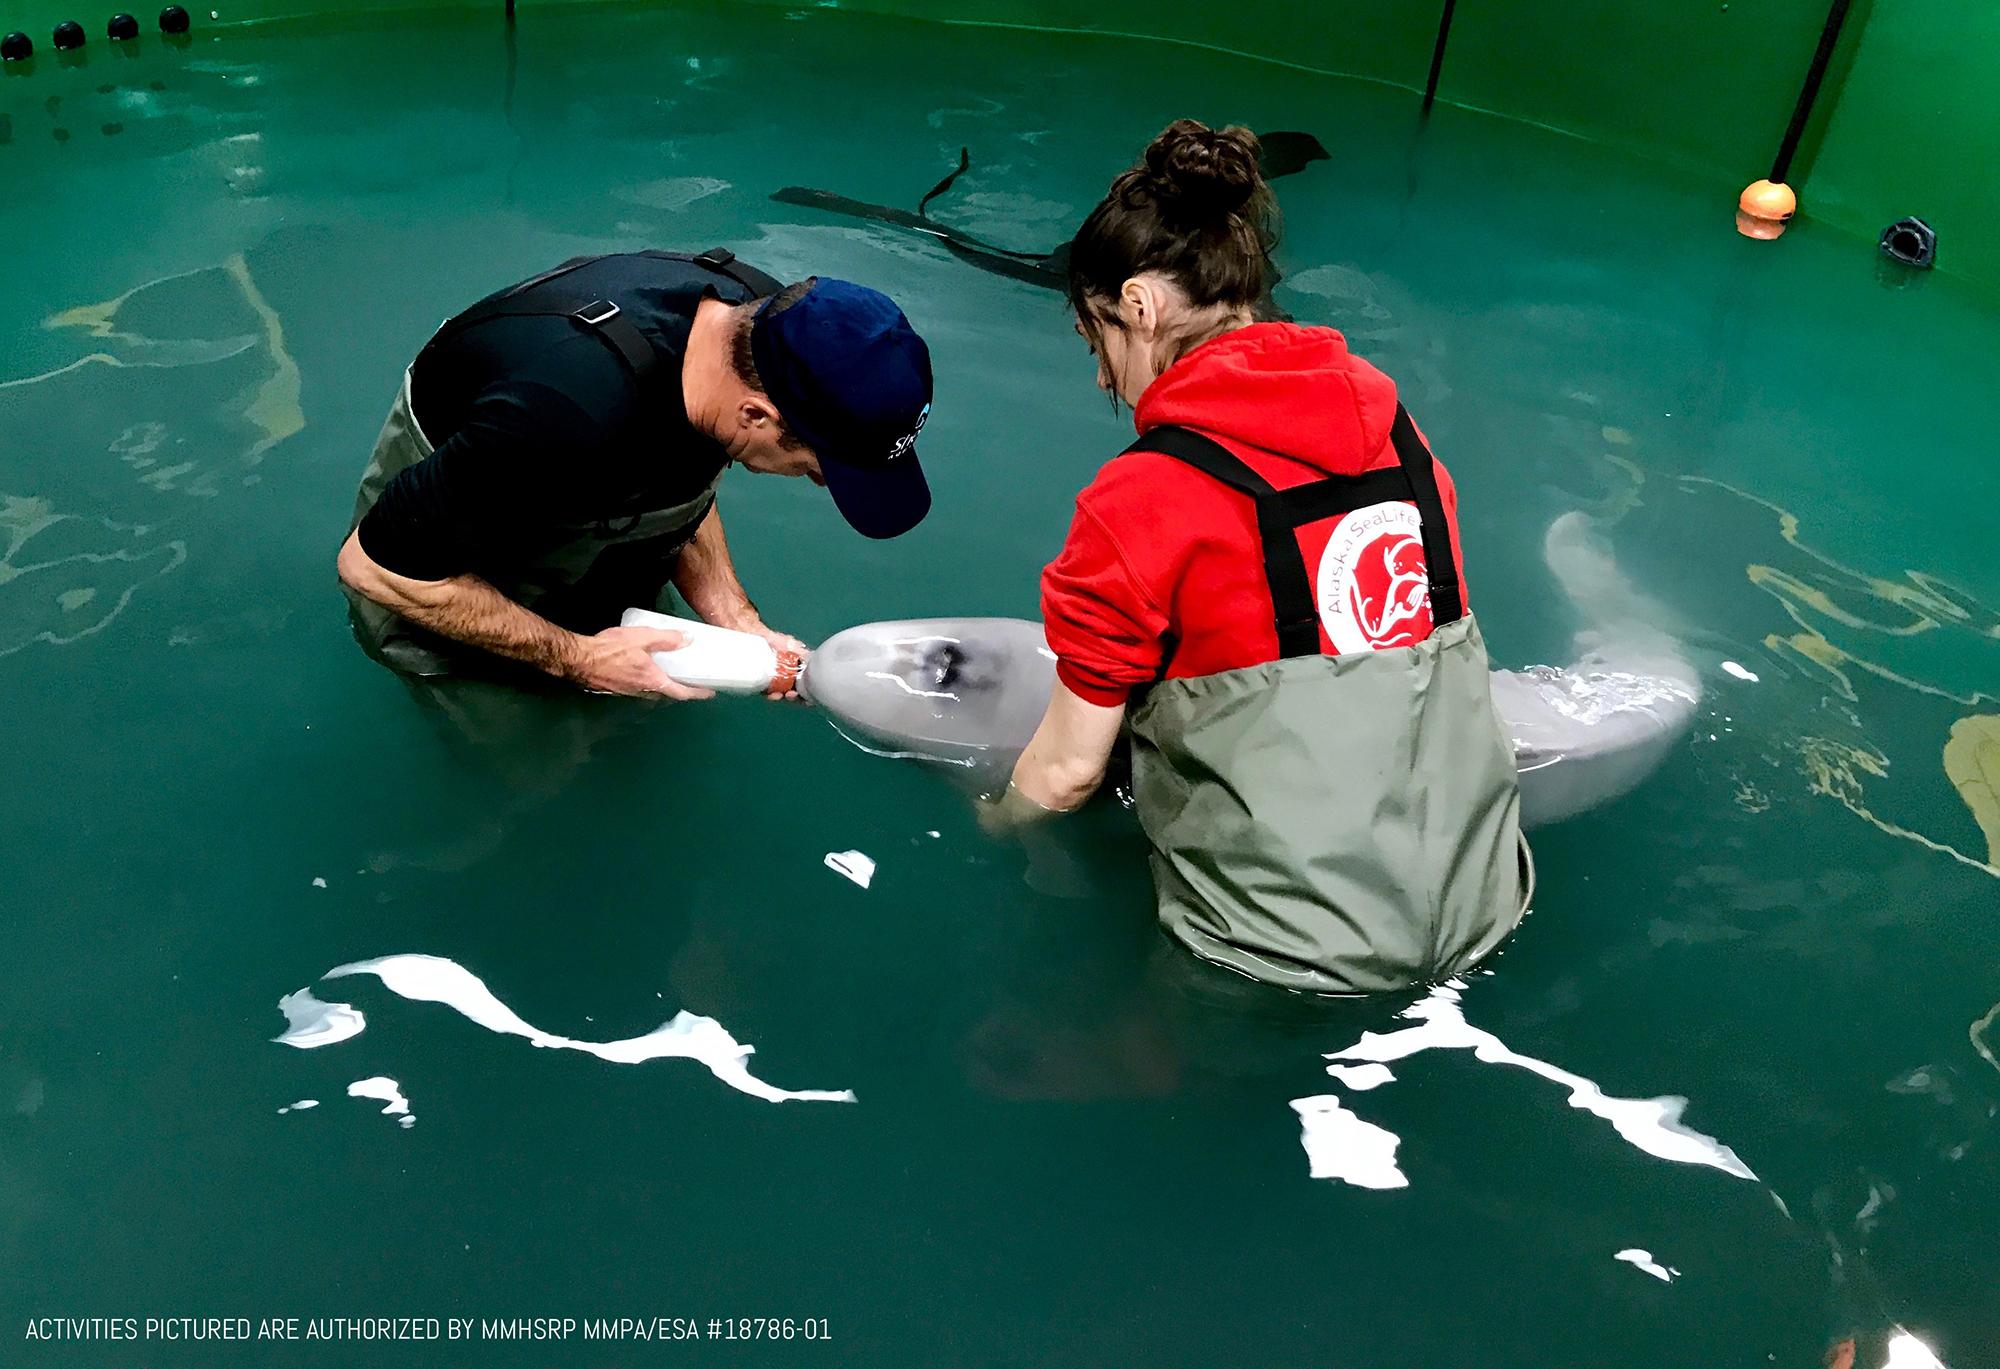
1103,626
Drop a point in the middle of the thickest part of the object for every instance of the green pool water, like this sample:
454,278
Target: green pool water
1064,1150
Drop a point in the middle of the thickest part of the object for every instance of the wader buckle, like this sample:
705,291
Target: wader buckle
597,313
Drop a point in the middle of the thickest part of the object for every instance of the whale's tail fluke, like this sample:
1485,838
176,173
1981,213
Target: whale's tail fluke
1589,733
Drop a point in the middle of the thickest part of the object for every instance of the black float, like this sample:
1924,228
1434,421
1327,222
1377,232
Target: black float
1912,242
122,27
68,35
16,47
173,19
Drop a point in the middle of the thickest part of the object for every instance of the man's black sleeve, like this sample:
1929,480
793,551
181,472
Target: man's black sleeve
487,501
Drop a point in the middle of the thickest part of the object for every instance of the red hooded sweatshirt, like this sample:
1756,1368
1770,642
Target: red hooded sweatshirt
1163,565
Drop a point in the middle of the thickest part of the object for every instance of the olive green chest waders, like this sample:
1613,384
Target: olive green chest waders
593,568
1334,824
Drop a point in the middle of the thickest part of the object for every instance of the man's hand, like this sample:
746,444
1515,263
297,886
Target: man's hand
706,578
619,660
782,643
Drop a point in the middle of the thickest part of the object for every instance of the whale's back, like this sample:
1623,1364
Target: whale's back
969,692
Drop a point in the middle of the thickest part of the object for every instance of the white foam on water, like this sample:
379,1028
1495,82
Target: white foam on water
1731,668
1643,1259
434,979
319,881
1361,1078
310,1023
1341,1146
1907,1352
853,864
1653,1125
390,1093
673,194
299,1106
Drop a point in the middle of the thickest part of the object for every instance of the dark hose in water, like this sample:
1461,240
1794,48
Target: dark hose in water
1283,153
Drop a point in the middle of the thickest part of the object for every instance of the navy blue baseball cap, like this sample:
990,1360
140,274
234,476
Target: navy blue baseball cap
853,380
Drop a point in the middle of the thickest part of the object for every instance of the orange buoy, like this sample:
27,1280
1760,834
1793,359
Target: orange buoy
1763,209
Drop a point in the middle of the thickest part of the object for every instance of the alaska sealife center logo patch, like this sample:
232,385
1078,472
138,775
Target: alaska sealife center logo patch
1374,586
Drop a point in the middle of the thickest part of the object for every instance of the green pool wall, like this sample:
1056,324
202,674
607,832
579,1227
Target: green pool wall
1908,122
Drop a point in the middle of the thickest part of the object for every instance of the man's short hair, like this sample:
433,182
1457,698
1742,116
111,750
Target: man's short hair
744,362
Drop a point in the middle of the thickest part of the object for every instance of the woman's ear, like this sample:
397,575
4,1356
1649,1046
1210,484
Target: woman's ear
1139,307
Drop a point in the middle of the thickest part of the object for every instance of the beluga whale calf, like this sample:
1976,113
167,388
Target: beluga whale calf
968,693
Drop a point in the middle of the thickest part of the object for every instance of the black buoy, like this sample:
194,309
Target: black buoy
68,34
122,27
1912,242
17,47
173,19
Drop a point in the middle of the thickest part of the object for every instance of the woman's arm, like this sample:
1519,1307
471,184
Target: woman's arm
1108,636
1065,761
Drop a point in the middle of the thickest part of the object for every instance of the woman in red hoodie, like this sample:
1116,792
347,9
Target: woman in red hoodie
1266,589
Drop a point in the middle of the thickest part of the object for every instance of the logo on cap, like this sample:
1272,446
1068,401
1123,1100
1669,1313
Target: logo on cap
908,440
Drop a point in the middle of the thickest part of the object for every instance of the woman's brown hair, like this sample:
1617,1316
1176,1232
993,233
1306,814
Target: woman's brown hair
1195,209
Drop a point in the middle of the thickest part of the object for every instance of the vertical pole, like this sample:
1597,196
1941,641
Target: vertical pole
512,39
1437,53
1829,37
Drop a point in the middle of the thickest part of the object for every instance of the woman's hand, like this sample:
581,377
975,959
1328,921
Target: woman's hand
1010,810
1066,759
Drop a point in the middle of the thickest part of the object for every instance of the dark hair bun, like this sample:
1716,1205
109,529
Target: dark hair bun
1202,173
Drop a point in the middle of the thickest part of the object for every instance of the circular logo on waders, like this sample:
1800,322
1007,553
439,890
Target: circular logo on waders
1374,590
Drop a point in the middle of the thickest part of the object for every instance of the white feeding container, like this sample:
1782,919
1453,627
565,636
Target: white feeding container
720,658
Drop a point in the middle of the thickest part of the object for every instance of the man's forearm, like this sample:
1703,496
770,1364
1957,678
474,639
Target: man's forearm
465,609
706,578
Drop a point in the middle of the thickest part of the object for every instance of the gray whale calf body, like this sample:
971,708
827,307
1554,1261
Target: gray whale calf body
969,692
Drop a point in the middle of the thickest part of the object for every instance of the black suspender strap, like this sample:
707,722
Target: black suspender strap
1447,600
600,316
515,303
1280,513
1295,615
1319,499
612,325
723,260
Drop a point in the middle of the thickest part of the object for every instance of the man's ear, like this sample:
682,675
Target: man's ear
756,413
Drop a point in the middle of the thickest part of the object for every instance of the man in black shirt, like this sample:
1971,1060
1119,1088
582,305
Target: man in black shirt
554,454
